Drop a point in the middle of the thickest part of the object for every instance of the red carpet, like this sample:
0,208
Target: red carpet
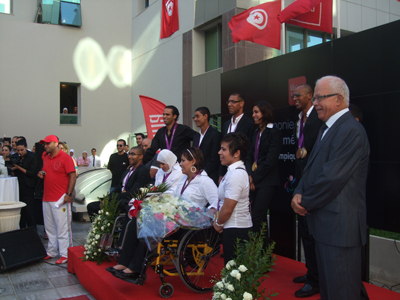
102,285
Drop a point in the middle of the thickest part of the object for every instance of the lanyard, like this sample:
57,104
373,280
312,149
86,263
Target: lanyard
185,185
257,146
129,175
169,144
166,177
301,133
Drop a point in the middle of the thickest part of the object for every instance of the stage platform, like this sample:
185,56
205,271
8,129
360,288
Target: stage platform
102,285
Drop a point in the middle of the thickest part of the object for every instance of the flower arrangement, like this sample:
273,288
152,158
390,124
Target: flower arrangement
165,213
163,187
242,277
102,224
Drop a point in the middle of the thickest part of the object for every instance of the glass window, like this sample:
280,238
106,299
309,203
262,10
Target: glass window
314,38
71,14
69,10
213,42
5,6
294,39
69,103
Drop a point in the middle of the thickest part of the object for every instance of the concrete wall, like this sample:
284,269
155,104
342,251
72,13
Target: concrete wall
35,58
157,64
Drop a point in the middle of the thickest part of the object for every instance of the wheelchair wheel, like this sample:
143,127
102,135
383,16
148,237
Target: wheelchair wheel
199,261
166,291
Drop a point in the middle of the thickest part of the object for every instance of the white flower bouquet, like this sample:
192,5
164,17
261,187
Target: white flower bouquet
163,214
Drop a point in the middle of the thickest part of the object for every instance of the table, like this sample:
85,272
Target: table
9,189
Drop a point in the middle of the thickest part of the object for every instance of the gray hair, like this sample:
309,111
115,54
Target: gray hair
338,85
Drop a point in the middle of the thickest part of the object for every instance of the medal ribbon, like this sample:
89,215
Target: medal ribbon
198,145
166,176
257,146
169,144
185,185
301,133
129,175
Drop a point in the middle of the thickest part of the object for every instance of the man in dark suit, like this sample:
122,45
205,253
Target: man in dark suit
25,168
332,193
306,132
135,177
208,140
238,122
173,136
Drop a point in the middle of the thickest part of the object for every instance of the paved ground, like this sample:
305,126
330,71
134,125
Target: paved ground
45,280
48,281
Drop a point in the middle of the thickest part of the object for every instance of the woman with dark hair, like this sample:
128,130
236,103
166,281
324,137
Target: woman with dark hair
196,185
234,215
5,160
262,164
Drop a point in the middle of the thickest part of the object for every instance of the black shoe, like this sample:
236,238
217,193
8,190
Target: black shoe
306,291
300,279
111,270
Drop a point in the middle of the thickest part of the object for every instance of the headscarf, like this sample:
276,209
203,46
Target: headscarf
65,109
73,155
167,157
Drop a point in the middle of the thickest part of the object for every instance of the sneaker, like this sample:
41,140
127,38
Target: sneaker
47,257
62,260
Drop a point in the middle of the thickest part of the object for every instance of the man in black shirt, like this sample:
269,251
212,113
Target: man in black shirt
117,164
175,137
25,168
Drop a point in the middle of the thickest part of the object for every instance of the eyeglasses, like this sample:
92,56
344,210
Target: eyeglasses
120,145
232,102
297,95
320,98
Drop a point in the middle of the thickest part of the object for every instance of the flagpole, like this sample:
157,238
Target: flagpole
283,30
338,18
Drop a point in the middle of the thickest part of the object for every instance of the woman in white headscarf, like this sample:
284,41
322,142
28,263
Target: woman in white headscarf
170,172
72,154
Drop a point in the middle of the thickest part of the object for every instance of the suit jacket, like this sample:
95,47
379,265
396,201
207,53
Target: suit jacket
267,173
30,164
210,146
138,179
246,126
334,183
310,130
182,138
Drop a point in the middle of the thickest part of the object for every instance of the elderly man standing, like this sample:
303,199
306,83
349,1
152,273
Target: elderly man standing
332,193
59,176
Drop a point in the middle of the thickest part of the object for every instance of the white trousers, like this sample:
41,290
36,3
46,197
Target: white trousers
57,222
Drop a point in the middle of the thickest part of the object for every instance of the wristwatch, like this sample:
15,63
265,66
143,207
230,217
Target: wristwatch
69,194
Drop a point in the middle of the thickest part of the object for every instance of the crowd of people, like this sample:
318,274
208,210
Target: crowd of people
235,175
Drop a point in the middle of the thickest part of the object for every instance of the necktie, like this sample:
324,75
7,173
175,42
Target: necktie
320,132
94,158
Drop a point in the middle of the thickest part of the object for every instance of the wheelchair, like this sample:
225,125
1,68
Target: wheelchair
193,255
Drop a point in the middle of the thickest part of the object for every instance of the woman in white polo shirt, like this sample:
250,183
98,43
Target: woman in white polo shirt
234,218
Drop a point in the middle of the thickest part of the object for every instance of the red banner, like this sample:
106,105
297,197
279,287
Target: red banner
153,114
169,18
258,24
310,14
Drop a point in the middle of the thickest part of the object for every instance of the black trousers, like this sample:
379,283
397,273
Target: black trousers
133,251
309,252
28,218
260,202
229,238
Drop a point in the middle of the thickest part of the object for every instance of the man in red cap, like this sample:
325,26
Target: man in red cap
59,177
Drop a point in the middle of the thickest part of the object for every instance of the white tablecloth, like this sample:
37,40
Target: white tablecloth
9,189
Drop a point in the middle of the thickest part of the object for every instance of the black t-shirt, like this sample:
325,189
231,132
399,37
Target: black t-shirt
117,164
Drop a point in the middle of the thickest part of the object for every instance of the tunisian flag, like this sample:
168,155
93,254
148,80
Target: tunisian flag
153,114
169,18
258,24
311,14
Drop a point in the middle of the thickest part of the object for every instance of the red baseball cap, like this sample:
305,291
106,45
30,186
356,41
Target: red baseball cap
49,139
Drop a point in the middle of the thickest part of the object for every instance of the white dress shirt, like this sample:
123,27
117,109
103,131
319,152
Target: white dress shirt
97,161
333,119
201,190
235,186
233,125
